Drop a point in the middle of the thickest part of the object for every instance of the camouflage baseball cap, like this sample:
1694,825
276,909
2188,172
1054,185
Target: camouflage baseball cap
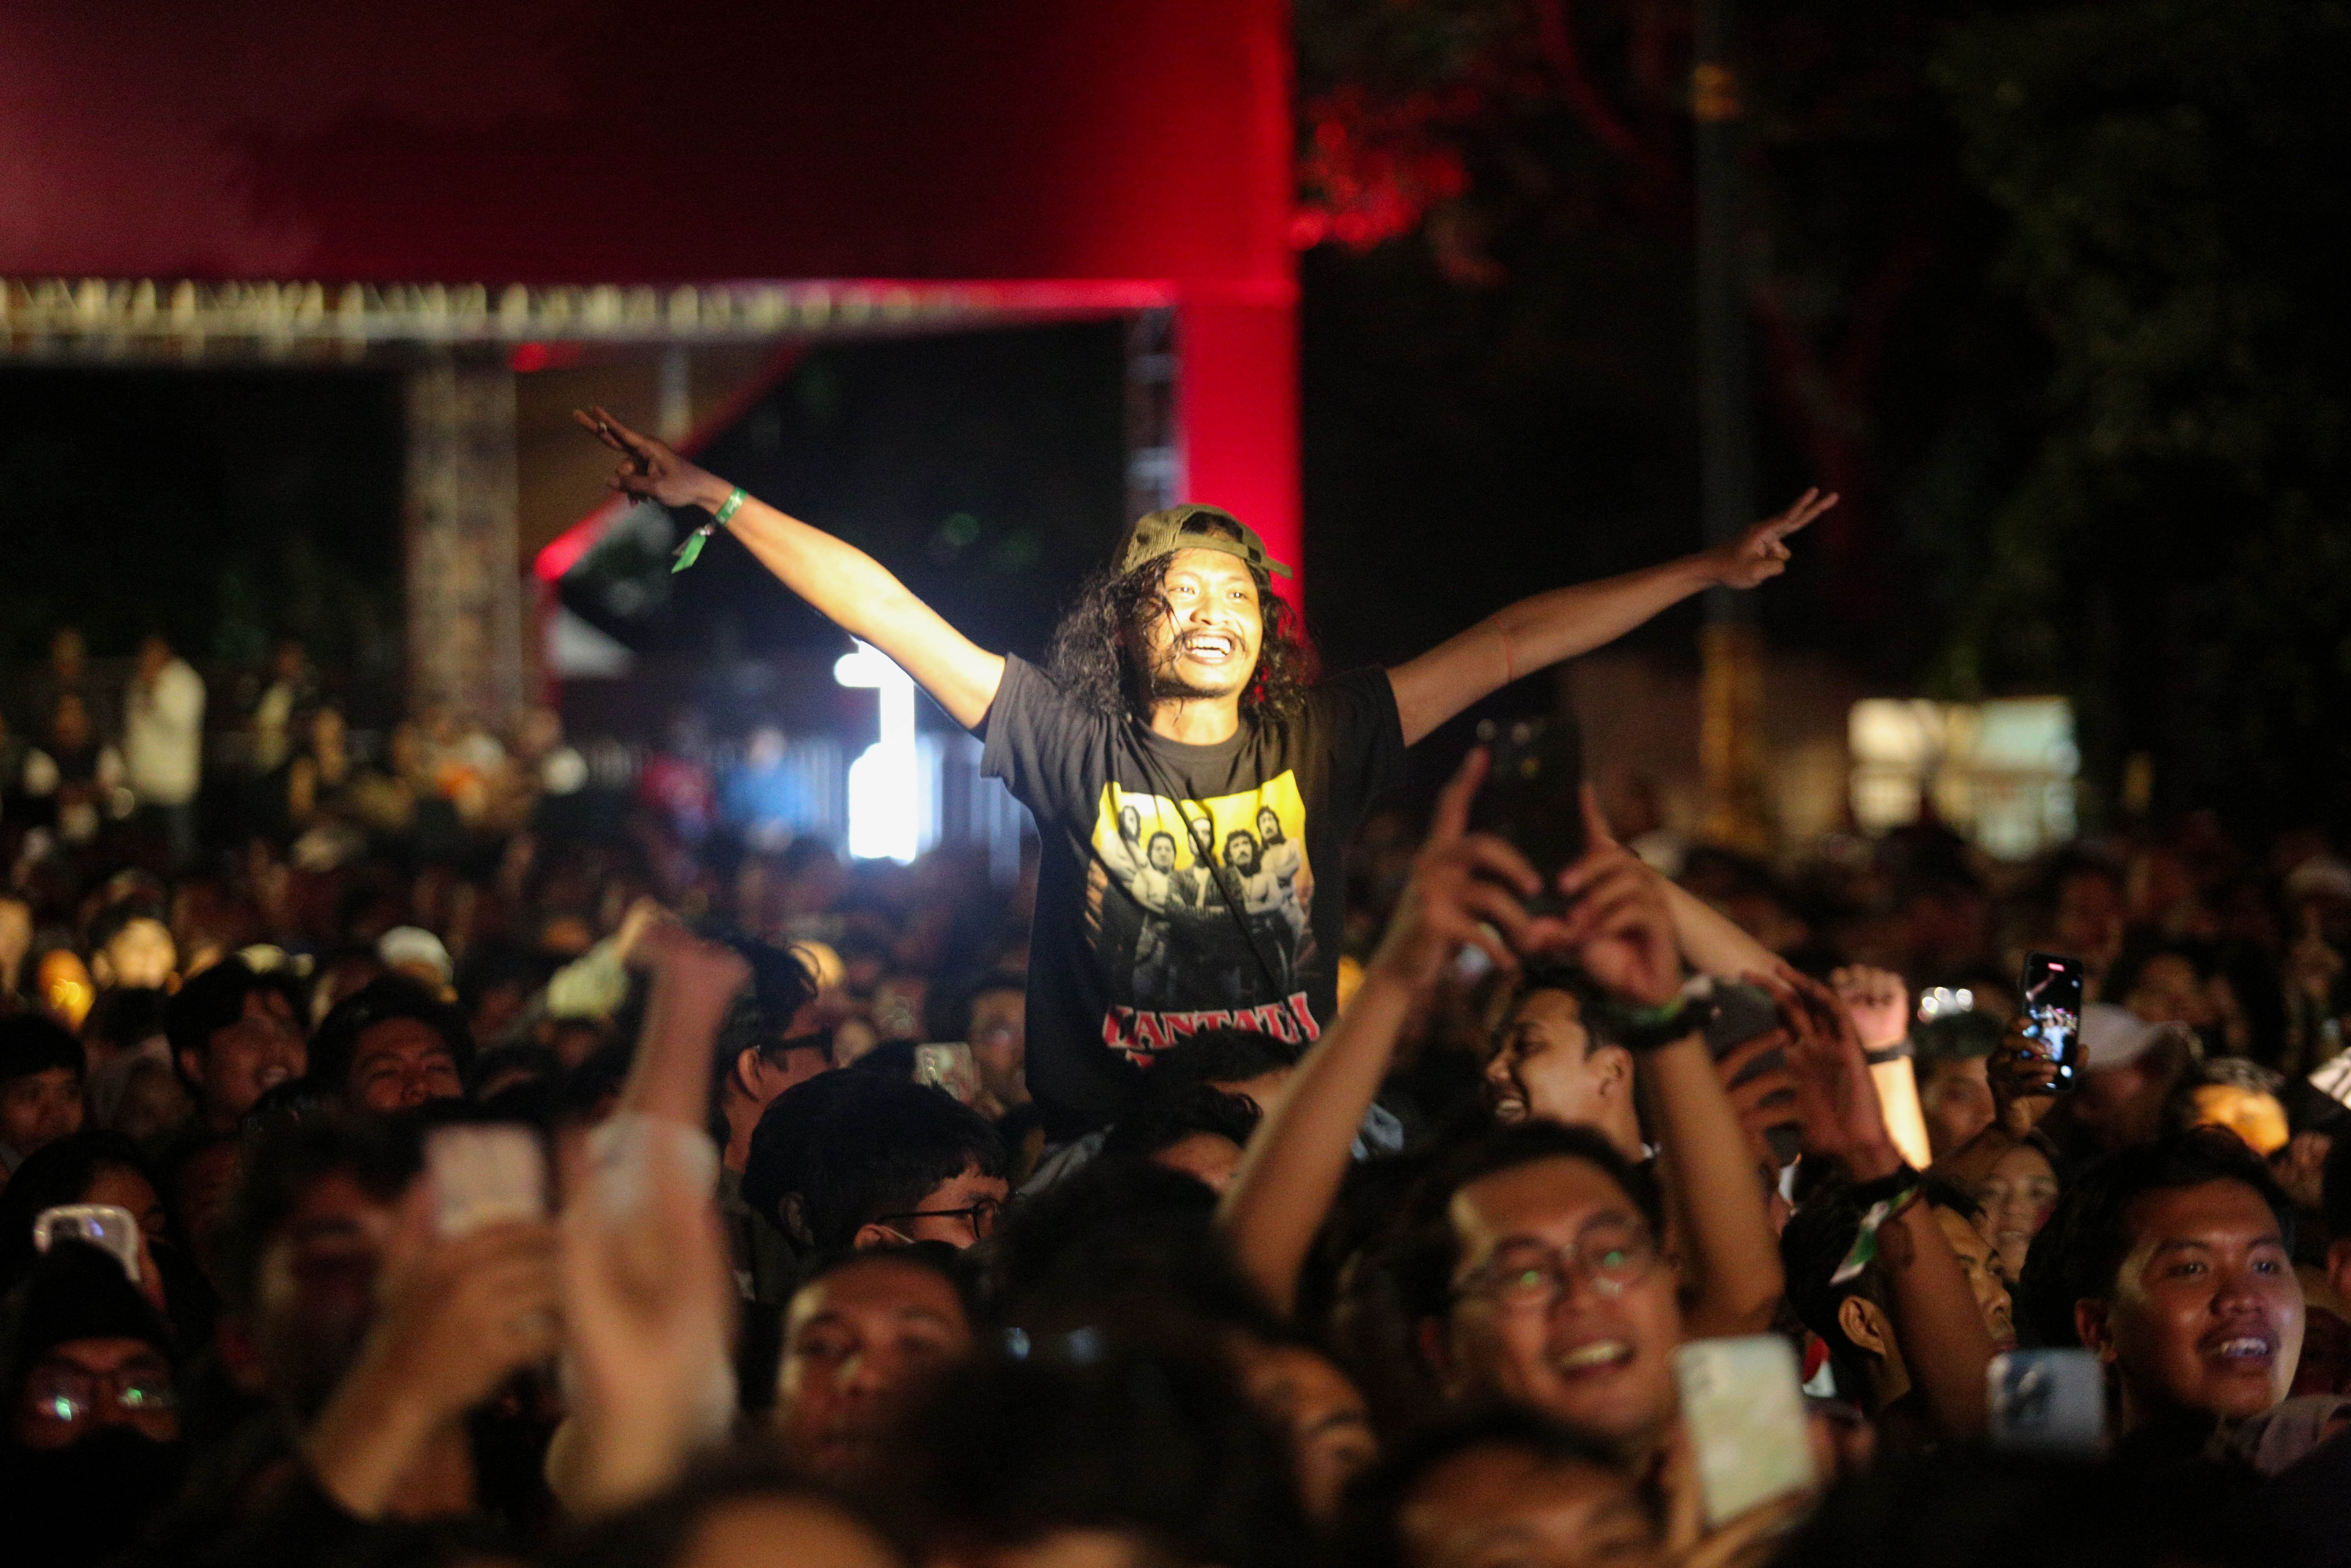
1189,527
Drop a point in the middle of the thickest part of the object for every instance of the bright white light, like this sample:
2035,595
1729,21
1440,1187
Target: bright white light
886,805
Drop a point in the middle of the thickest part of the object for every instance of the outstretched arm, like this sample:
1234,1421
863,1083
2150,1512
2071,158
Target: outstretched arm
1537,632
848,587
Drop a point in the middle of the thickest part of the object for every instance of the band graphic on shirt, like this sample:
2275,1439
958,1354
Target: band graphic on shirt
1201,907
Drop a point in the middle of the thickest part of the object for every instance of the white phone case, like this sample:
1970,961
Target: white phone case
1743,1406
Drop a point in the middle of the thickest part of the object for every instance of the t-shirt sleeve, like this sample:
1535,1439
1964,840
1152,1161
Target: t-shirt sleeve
1363,736
1041,744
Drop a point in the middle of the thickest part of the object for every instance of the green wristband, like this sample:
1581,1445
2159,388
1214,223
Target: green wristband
691,551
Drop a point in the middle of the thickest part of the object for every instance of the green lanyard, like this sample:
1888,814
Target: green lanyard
691,551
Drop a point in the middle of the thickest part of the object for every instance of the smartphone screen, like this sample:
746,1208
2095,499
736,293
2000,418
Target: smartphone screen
484,1173
2052,1012
1533,794
104,1225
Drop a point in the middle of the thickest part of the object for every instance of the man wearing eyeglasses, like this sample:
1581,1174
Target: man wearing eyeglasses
854,1160
93,1433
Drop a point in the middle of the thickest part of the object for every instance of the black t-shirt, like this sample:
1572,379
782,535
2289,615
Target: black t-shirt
1182,887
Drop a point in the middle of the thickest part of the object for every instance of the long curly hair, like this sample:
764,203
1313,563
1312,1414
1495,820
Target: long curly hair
1091,656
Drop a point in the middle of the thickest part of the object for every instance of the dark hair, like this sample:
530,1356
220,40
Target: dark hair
948,1013
2130,965
1091,661
854,1146
2219,1072
1959,1506
662,1530
1159,1444
760,1014
57,1173
283,1163
953,1266
2079,1252
127,1014
1119,1242
31,1042
1220,1056
1431,1251
335,1047
1369,1532
1568,980
1161,1120
214,999
1814,1244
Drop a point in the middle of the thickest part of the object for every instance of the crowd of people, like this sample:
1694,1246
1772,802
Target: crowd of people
412,1166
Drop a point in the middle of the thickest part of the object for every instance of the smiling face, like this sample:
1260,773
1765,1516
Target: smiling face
1204,641
1545,1069
247,1060
2207,1314
1598,1361
402,1063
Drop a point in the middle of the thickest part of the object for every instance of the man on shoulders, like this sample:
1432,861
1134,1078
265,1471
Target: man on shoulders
1180,684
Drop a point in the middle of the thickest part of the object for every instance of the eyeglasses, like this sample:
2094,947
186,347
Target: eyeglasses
980,1216
1611,1256
69,1395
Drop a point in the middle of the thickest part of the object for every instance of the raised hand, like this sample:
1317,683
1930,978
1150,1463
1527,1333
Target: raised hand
1877,1002
1837,1100
650,469
2024,1078
1761,552
650,1308
1618,922
1460,893
455,1317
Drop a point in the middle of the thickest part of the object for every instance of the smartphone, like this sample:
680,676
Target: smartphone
2048,1402
111,1230
484,1175
2052,990
1533,795
949,1067
1743,1405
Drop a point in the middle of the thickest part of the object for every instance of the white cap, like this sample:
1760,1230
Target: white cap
406,946
2320,876
2117,1037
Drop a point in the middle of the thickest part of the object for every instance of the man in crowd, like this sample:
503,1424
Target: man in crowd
234,1037
852,1160
1180,685
390,1046
862,1336
2172,1261
40,1087
163,743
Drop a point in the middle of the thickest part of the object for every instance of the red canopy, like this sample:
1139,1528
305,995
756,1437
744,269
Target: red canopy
1113,141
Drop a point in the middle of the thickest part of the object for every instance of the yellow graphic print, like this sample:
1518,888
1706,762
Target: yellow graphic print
1201,912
